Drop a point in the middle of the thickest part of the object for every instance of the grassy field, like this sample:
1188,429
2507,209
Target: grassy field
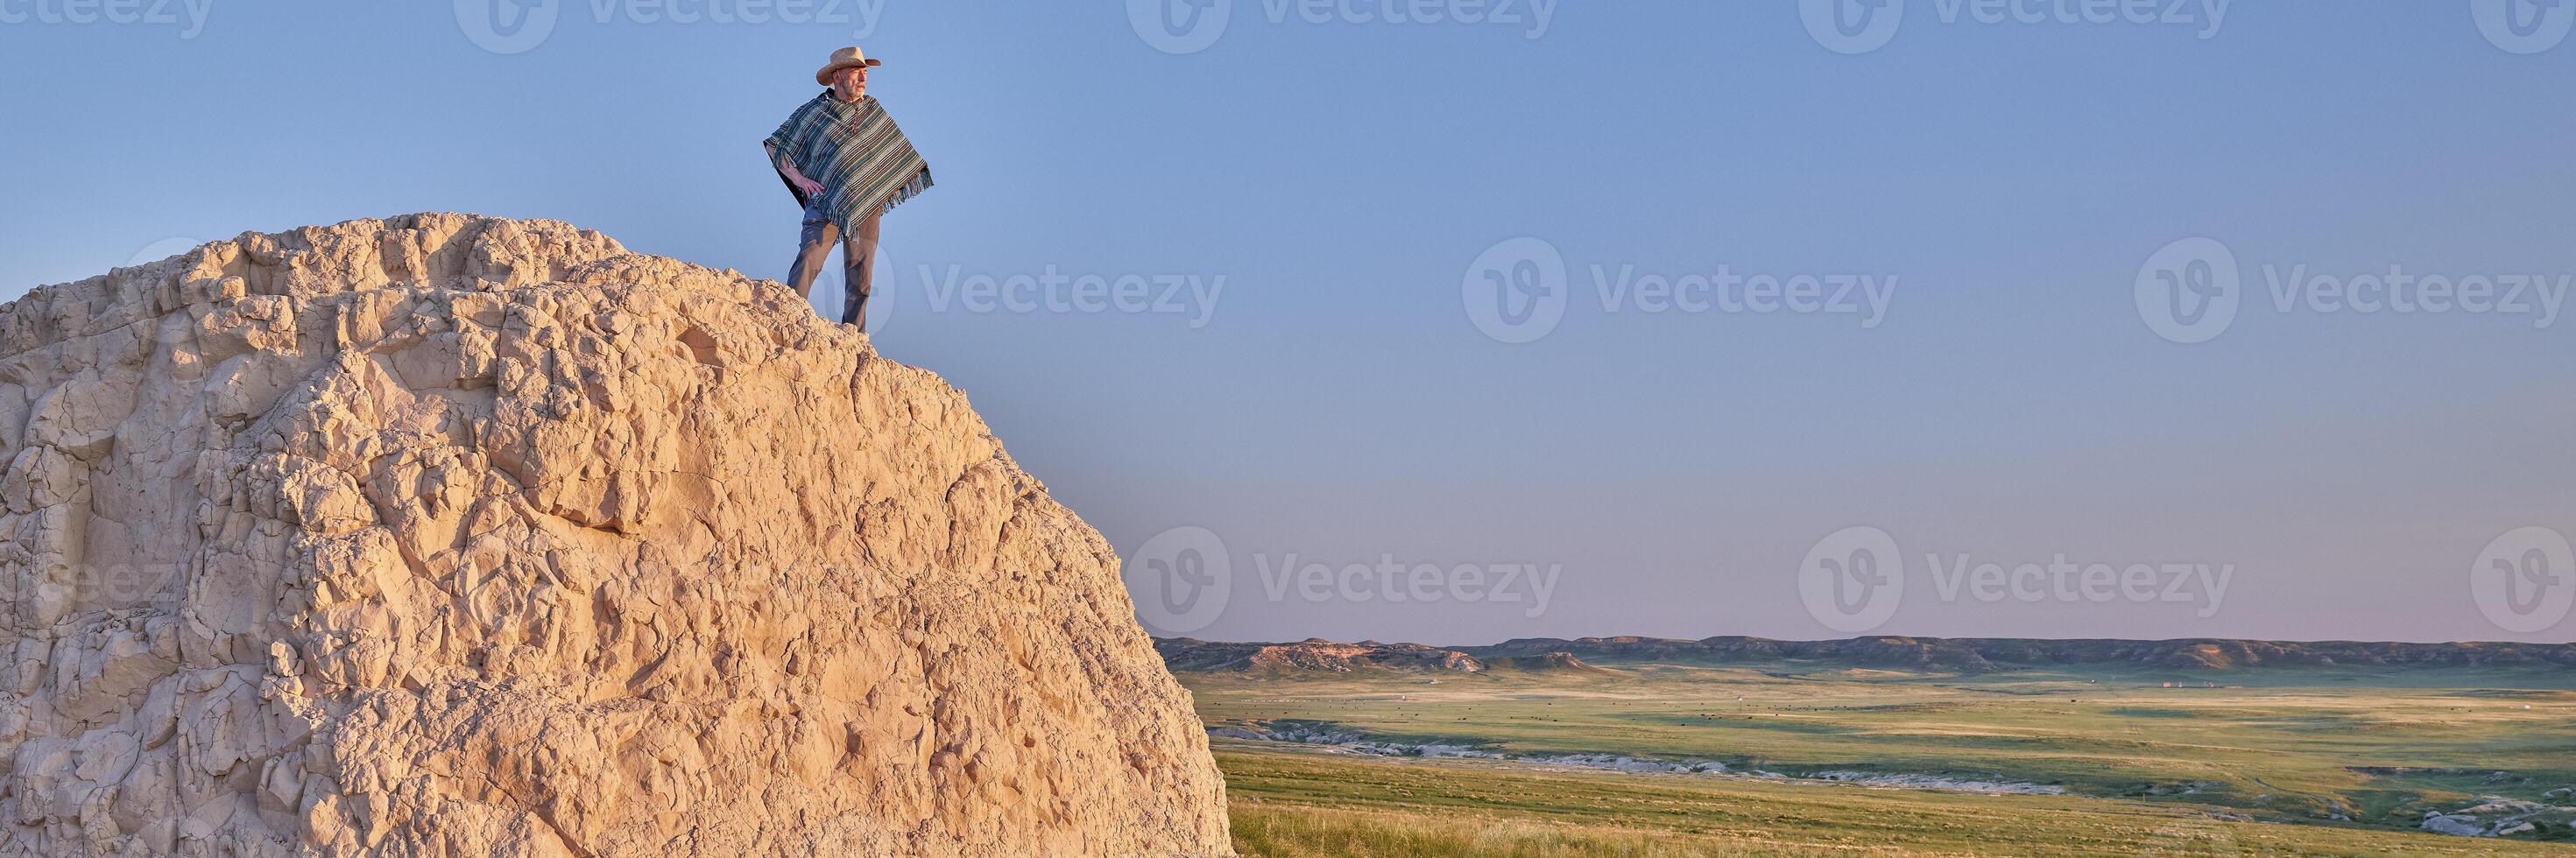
2320,761
1291,804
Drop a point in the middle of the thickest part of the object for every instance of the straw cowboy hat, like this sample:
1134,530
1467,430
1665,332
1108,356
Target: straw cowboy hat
845,58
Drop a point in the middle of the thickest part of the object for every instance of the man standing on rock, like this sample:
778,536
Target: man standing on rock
848,165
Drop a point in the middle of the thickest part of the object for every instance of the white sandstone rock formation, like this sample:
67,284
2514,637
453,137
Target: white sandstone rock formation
455,536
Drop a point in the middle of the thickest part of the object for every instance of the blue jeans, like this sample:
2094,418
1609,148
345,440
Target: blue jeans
858,259
815,221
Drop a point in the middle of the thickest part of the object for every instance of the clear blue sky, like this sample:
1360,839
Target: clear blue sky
1339,404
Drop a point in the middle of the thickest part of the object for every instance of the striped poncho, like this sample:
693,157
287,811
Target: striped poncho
855,151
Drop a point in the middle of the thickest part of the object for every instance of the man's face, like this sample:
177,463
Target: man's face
851,83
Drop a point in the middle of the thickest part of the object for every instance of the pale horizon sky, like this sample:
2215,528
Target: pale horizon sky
1350,393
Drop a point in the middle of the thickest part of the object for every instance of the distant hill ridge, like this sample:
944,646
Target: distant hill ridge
1974,655
1316,655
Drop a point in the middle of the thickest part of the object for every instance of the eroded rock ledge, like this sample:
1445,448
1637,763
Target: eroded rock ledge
451,535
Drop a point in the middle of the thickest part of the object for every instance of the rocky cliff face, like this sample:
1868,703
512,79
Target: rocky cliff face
446,535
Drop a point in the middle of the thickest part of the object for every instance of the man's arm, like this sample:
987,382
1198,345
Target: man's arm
788,168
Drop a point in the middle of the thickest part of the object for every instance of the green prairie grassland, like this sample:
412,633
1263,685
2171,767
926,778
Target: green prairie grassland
2264,764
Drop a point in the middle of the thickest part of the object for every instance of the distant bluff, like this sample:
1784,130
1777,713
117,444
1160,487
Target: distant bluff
1968,655
446,535
1978,655
1315,655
